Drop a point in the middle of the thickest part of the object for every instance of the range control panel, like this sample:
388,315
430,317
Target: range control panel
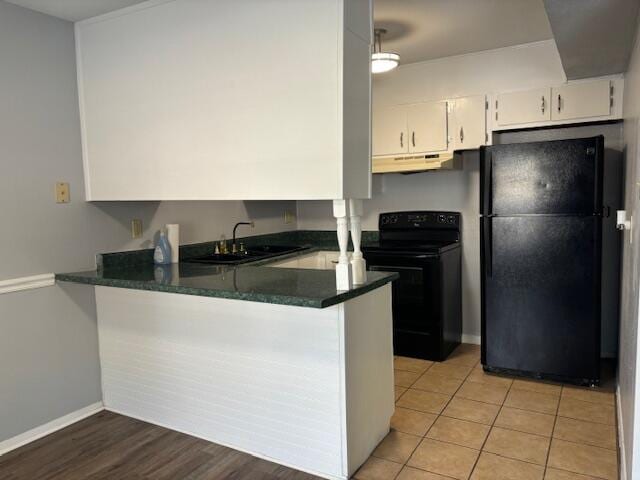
419,220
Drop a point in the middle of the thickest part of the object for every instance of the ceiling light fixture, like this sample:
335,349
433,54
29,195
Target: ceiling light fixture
382,61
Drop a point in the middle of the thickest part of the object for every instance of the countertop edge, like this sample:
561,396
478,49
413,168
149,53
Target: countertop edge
340,297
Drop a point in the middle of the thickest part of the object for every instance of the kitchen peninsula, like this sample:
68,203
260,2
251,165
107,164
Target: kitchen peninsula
272,361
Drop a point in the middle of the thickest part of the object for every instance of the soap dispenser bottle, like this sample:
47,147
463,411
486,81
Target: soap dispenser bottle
162,252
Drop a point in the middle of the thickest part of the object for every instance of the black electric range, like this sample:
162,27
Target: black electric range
424,247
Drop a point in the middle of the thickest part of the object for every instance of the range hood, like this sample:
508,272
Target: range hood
415,163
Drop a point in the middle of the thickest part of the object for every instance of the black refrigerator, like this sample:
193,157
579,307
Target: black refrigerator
541,254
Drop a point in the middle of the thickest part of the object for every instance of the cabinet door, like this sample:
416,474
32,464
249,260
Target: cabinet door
389,126
427,124
580,100
470,122
523,107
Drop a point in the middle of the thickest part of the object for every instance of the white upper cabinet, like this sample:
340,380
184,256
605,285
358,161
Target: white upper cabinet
469,122
427,127
389,133
523,107
578,101
410,129
227,100
581,100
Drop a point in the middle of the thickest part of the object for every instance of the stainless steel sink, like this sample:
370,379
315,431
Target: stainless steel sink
253,253
273,249
221,259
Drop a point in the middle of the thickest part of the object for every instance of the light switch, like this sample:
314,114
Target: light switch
136,228
62,192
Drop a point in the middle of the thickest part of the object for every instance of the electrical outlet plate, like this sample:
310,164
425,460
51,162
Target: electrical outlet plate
62,192
289,217
136,228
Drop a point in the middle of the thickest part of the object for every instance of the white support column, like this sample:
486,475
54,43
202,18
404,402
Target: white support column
358,263
344,278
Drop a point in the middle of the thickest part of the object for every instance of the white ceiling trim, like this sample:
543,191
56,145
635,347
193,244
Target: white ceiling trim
74,10
436,61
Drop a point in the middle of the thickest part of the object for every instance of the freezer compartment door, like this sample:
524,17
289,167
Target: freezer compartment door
558,177
541,295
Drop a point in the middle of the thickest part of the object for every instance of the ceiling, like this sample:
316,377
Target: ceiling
421,30
74,10
594,37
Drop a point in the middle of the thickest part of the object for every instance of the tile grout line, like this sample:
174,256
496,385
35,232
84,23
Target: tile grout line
443,409
404,465
553,430
438,415
491,428
510,388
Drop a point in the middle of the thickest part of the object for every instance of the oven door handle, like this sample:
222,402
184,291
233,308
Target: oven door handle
374,255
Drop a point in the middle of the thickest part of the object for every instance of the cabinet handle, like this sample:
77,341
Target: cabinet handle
413,138
543,104
461,135
401,139
559,102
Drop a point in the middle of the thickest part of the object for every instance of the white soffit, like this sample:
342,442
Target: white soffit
74,10
594,37
421,30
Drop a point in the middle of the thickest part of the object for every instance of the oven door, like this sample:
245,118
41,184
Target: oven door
416,300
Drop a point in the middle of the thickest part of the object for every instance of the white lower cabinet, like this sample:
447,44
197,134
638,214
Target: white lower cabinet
469,122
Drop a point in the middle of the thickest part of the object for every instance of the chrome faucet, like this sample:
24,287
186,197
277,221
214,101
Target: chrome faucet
234,248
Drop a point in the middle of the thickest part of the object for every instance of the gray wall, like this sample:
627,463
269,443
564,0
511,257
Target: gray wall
628,368
48,341
459,191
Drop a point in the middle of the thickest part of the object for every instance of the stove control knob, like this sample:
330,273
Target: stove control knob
442,219
384,220
451,219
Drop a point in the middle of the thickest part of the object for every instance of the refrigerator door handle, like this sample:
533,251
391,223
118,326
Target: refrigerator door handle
488,246
486,186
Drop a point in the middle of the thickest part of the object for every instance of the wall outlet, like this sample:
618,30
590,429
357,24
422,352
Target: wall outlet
289,217
136,228
62,192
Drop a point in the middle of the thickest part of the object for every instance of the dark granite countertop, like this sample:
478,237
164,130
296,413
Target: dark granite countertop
255,281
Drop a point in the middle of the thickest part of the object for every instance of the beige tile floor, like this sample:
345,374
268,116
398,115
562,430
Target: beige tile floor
453,421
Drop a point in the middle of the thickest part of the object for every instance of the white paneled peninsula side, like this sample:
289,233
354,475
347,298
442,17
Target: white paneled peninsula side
271,361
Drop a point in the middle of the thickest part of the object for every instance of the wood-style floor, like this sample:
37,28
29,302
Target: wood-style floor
114,447
452,421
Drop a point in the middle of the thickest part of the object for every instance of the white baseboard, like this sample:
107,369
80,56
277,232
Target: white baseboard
622,459
473,339
49,427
